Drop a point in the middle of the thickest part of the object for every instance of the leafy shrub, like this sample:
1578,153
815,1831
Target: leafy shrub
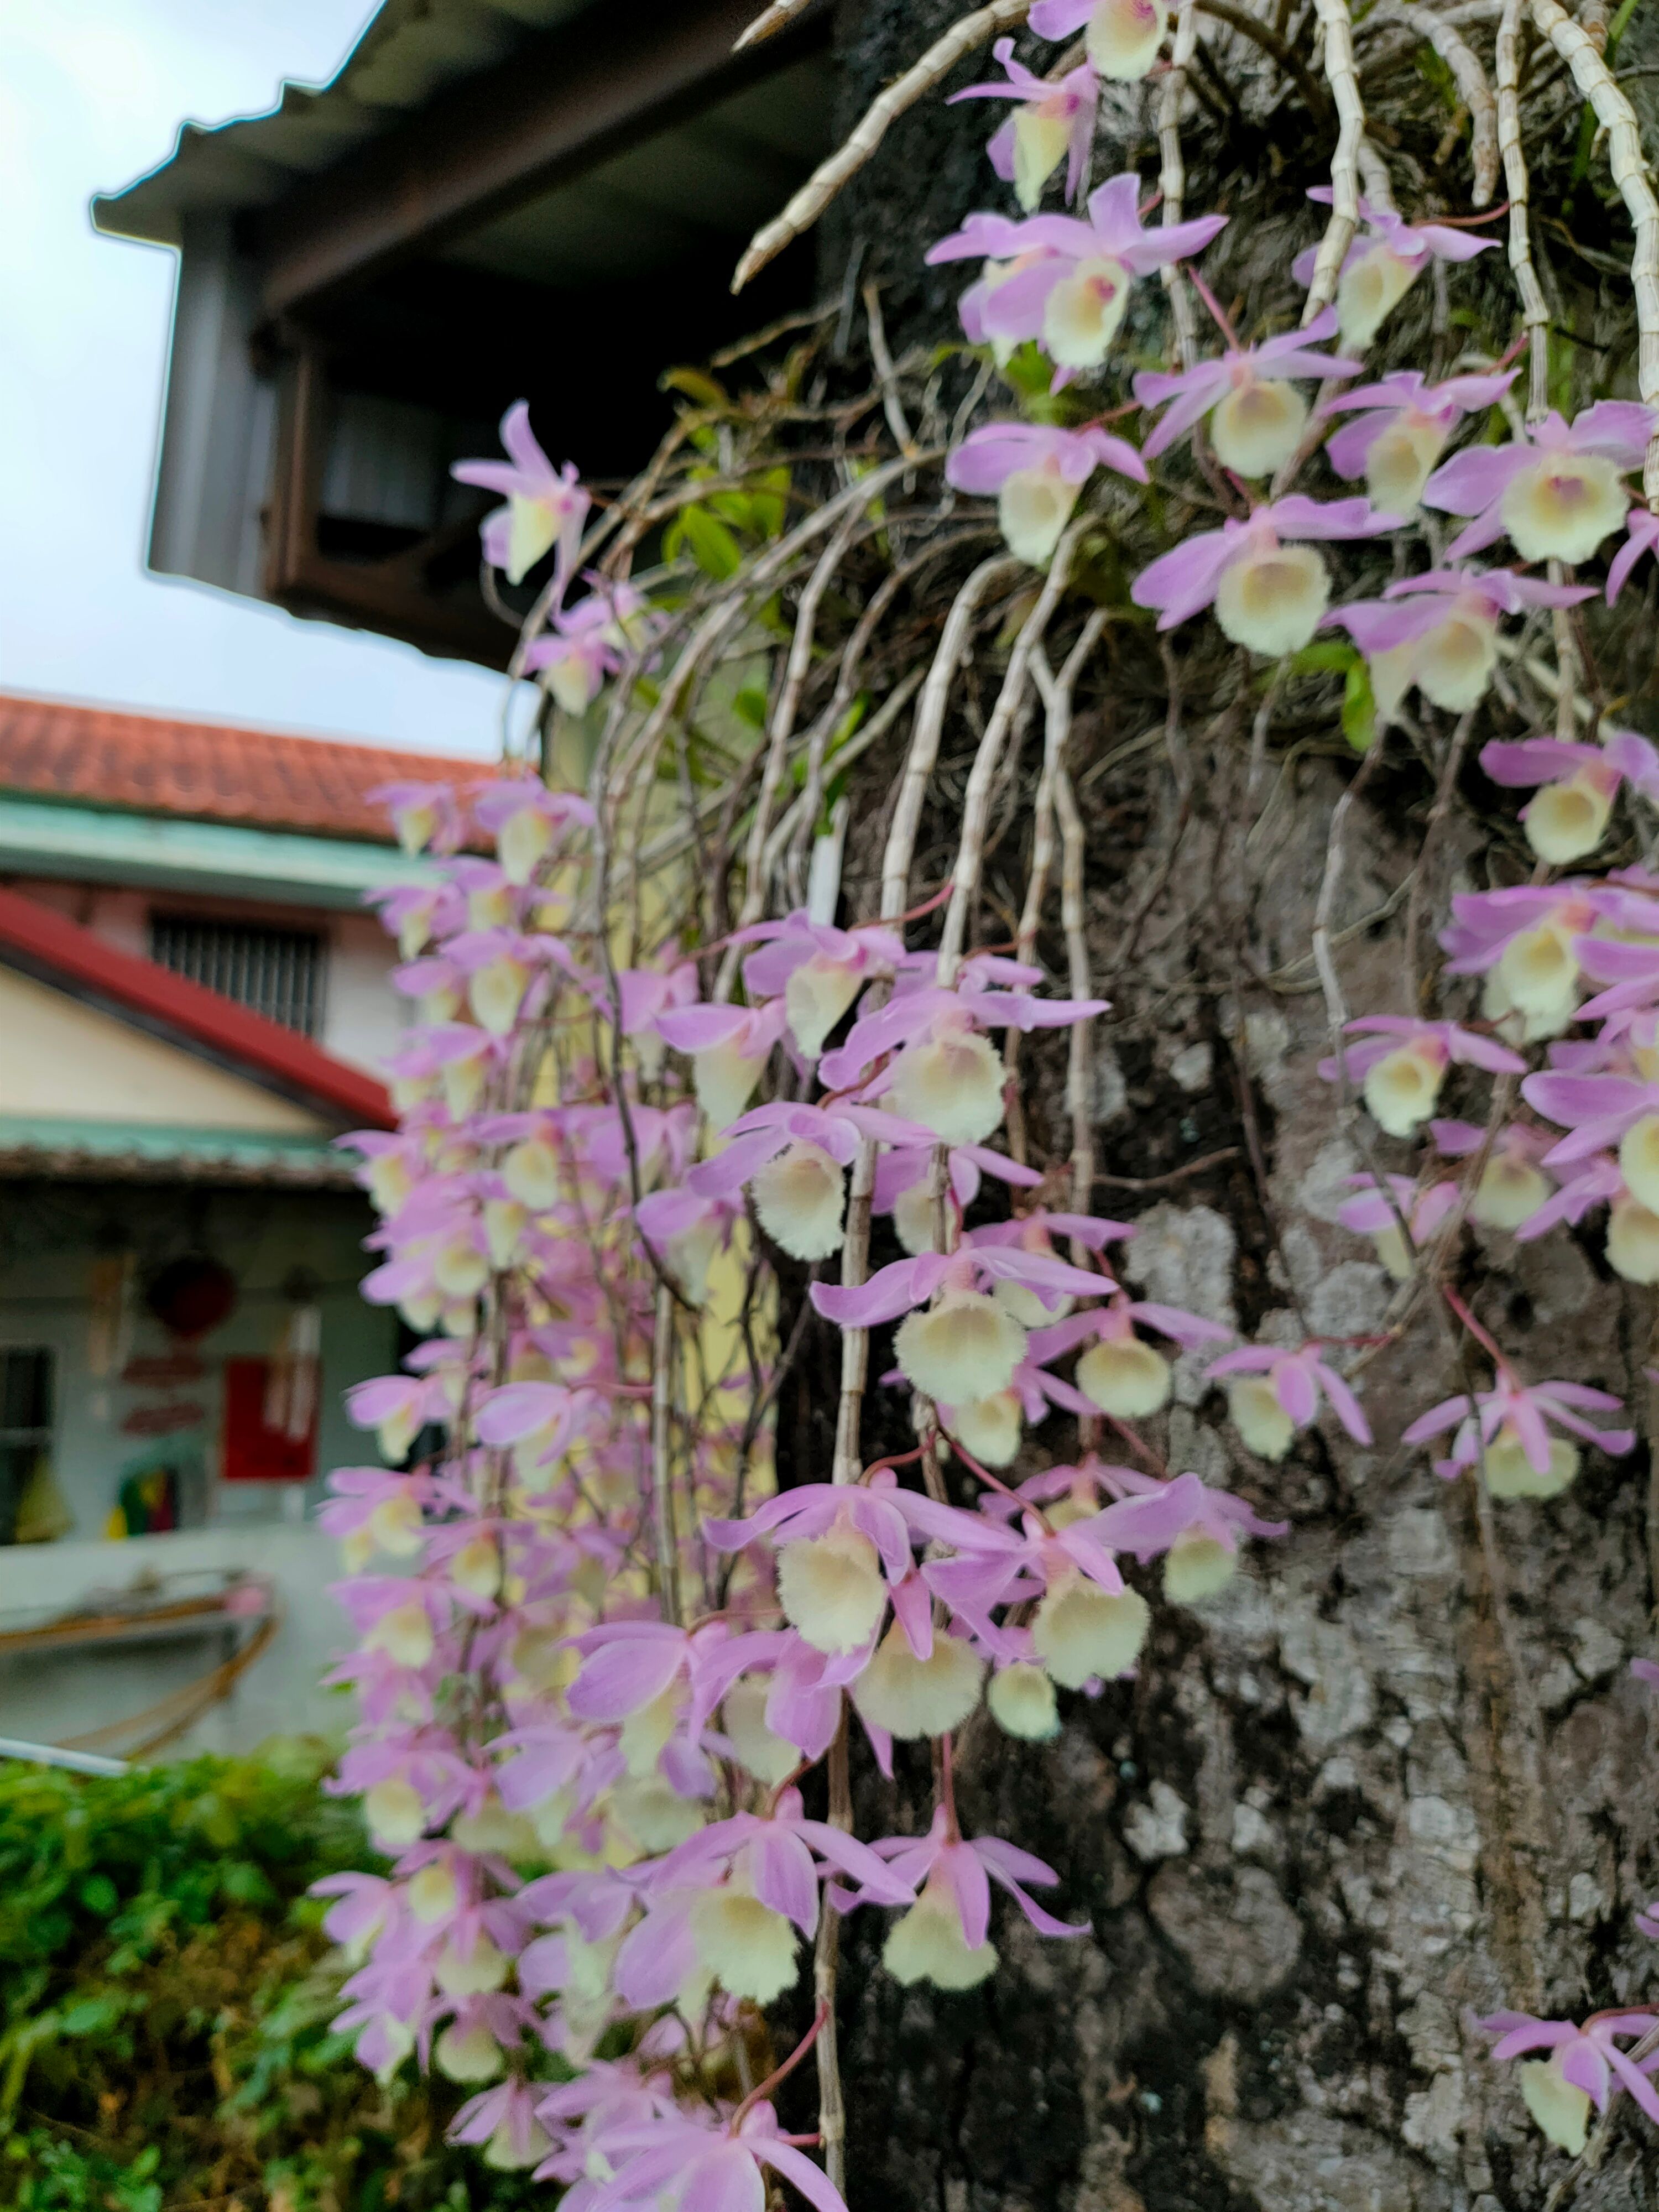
165,1992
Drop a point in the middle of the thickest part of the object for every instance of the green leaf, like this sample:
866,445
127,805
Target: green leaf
1358,707
714,548
750,704
1327,657
696,385
99,1894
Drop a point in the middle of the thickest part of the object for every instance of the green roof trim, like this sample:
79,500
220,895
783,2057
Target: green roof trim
147,1147
99,844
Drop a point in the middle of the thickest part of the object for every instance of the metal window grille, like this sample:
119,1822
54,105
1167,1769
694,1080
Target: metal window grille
26,1396
277,973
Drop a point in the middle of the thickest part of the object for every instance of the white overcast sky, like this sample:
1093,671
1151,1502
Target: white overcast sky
91,93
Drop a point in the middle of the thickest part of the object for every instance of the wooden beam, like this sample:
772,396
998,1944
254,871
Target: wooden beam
574,97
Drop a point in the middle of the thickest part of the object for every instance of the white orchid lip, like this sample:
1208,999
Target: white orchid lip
1196,1566
1510,1191
724,1079
990,1428
928,1945
1401,1088
1081,1632
1021,1699
1083,311
1562,506
1638,1160
912,1697
815,996
831,1589
965,1347
1510,1473
1401,460
1033,508
1370,288
1266,1428
951,1084
1632,1243
1124,1378
1272,598
770,1758
800,1199
1043,132
1123,36
1560,2107
1452,664
1568,820
750,1948
1257,426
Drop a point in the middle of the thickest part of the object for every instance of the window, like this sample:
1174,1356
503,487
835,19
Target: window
25,1426
277,973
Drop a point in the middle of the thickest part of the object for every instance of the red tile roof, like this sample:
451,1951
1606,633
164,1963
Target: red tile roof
205,771
48,944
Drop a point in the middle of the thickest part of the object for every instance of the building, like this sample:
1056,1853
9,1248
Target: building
193,1007
493,200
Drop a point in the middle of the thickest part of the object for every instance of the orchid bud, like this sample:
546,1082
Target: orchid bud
1563,505
963,1348
395,1525
1560,2107
912,1697
471,1973
653,1815
394,1811
724,1080
1123,36
1400,461
748,1946
1401,1089
770,1758
1452,664
1124,1376
1081,1632
1633,1241
800,1201
927,1944
433,1893
1262,1423
815,996
403,1632
1272,599
533,1172
458,1268
477,1567
1510,1191
1083,312
1370,287
1567,820
951,1084
647,1728
468,2054
1022,1700
990,1427
1257,426
1033,508
1510,1473
830,1589
496,991
522,840
1196,1566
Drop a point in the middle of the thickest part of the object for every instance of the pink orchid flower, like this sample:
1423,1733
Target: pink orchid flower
545,507
1370,1214
1073,285
1122,37
1586,2067
729,1046
1404,423
416,913
949,1924
818,969
1576,785
398,1407
587,642
903,1186
1402,1063
1642,536
504,2121
1278,1393
1521,1458
689,1232
1036,470
1439,631
1257,424
793,1160
1118,1373
629,1664
1269,593
1584,1186
843,1549
426,816
683,2165
1558,492
1524,940
1054,123
525,818
1197,1530
1383,262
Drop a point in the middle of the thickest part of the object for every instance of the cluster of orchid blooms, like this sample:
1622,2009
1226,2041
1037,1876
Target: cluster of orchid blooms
589,1640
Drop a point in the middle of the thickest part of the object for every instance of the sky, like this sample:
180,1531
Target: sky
91,95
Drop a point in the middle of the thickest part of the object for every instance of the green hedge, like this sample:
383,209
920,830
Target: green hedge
165,1997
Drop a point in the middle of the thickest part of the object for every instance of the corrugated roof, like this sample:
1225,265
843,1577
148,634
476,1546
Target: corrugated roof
411,50
208,772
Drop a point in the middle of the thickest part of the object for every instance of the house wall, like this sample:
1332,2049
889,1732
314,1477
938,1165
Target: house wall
363,1017
50,1235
